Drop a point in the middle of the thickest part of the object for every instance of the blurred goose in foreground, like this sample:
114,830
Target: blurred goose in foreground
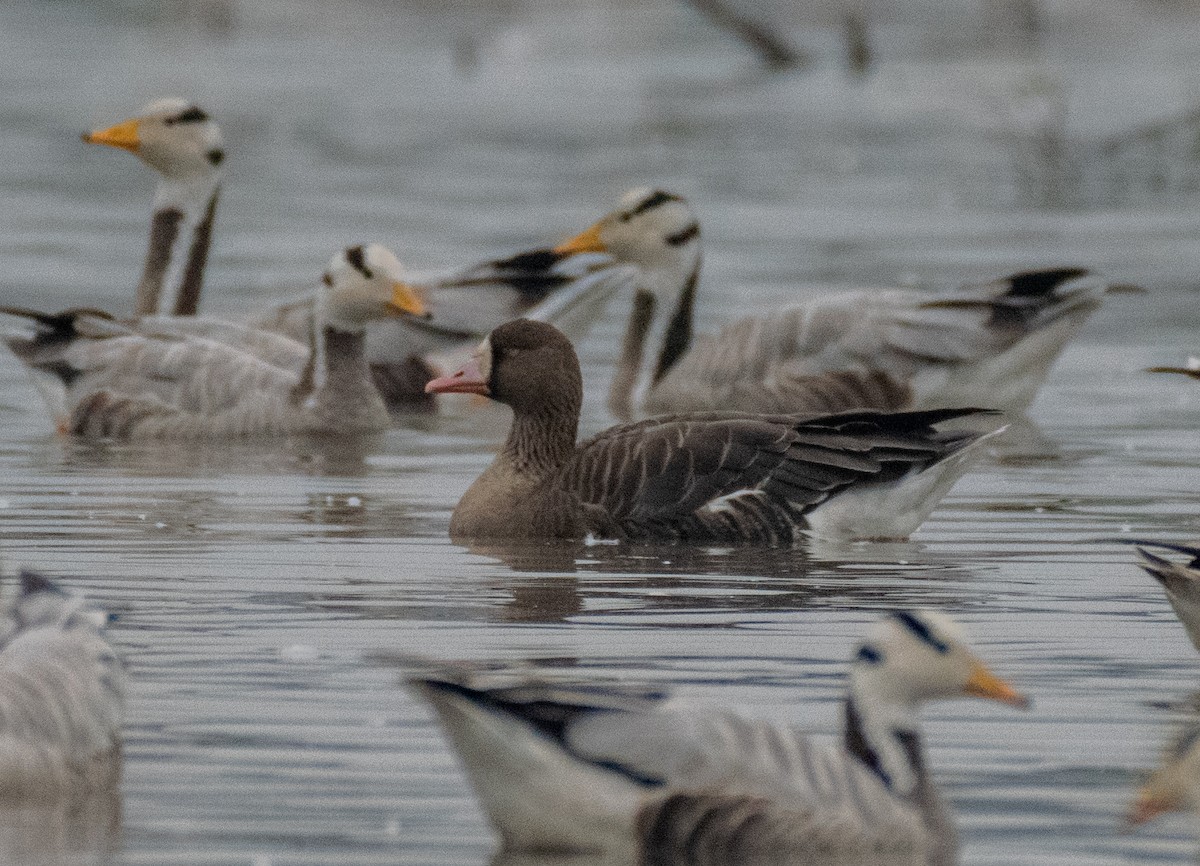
180,142
1180,581
104,378
668,780
989,344
714,476
1175,785
62,695
184,145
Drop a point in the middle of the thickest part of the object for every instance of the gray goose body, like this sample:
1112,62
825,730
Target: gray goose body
62,696
991,343
666,780
982,344
718,476
171,379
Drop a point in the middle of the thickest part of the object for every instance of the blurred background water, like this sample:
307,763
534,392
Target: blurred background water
253,582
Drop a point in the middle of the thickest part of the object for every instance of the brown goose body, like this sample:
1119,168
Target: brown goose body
713,476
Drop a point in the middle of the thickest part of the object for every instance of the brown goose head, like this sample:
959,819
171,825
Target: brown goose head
527,365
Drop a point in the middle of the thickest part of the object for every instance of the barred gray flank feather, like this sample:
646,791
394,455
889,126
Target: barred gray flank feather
990,343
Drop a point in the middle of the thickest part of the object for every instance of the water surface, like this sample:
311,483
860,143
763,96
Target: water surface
254,583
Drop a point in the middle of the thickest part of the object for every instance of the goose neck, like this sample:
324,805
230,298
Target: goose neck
541,440
677,338
886,738
180,236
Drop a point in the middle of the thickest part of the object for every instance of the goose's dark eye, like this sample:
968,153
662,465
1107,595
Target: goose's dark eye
327,280
216,156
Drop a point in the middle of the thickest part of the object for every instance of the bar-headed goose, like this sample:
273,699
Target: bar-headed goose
1179,580
105,378
62,695
988,344
1175,785
180,142
668,780
717,476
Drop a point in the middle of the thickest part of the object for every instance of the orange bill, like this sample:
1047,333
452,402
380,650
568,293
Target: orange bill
124,135
985,684
587,241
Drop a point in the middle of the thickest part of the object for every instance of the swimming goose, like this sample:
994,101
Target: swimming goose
1180,581
667,780
1175,785
62,695
713,476
988,344
105,378
180,142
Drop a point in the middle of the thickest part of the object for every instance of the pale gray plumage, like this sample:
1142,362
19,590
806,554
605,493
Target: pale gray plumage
717,476
982,344
62,694
668,781
1179,580
192,378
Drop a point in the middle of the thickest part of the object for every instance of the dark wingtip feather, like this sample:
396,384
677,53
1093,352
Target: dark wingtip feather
32,583
1042,282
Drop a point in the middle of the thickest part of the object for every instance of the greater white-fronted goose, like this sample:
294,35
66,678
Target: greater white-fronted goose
62,695
1175,785
668,780
714,476
989,344
184,145
1180,581
180,142
104,378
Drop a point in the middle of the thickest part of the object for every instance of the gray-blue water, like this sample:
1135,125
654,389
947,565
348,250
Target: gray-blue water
252,582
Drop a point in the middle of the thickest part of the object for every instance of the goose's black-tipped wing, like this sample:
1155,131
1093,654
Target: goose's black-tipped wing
749,477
